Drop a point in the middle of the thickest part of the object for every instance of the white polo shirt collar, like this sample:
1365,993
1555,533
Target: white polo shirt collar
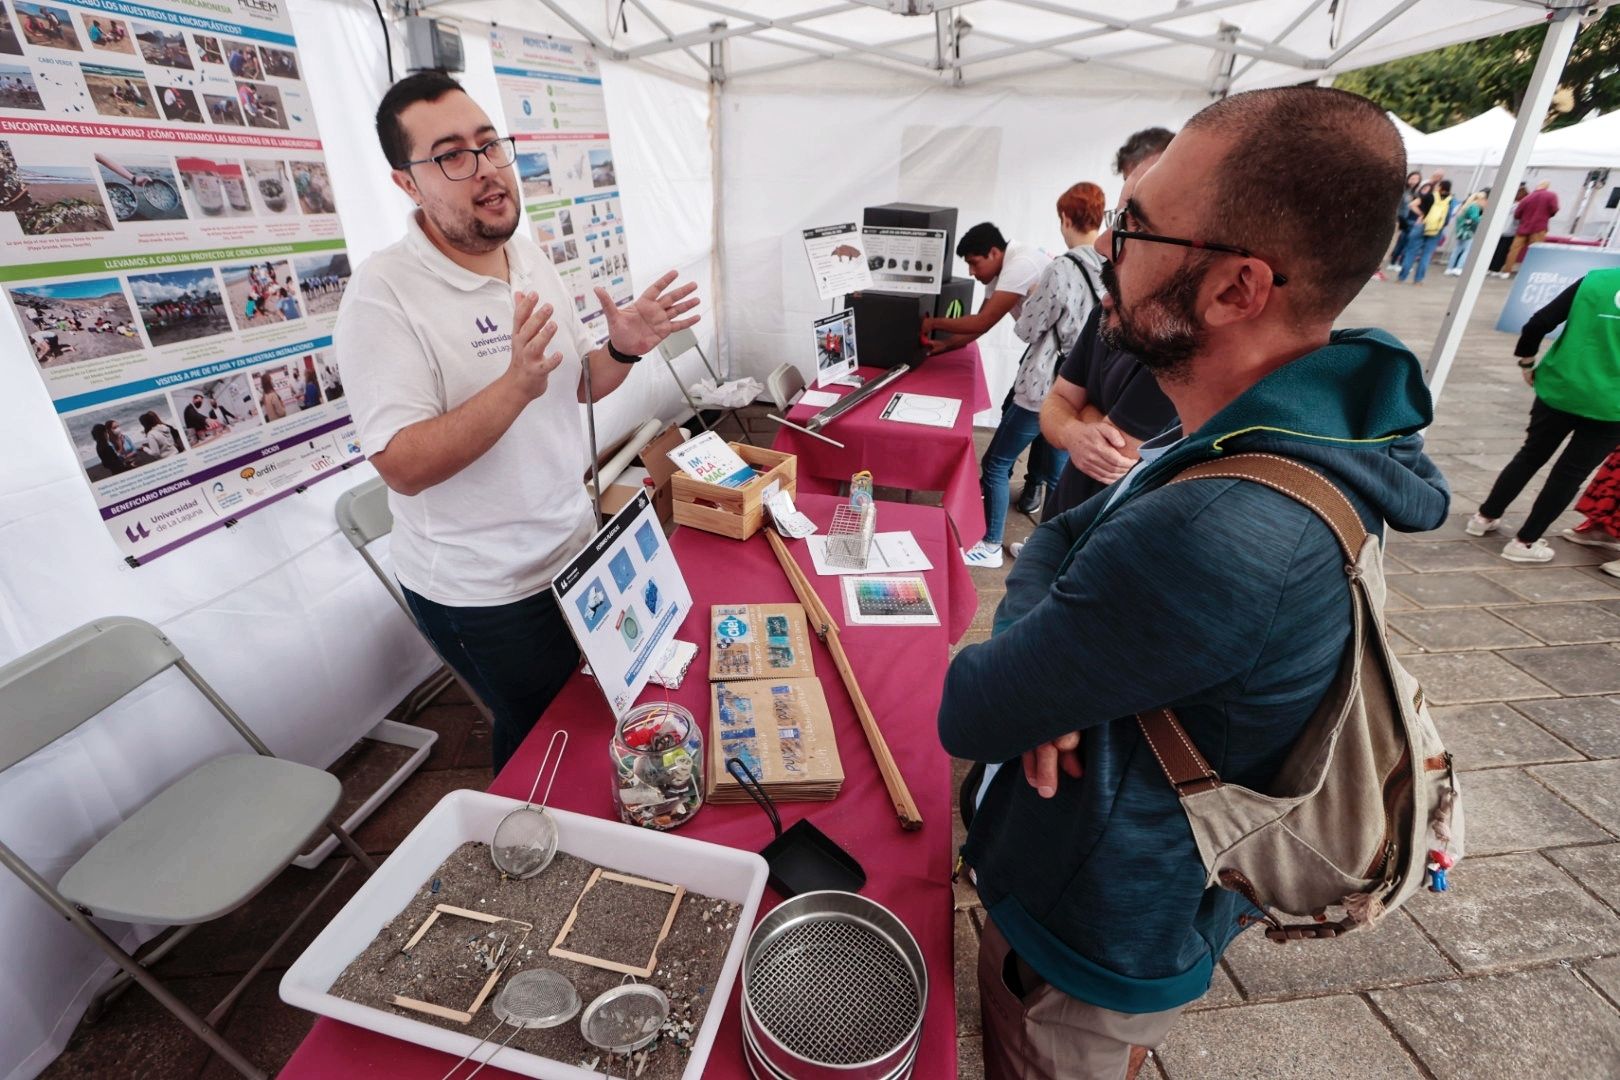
452,272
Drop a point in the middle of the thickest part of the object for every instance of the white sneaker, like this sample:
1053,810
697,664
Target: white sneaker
1540,551
1017,546
1611,568
1592,538
1479,525
988,556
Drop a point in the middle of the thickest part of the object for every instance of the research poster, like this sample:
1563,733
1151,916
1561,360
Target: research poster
551,93
173,256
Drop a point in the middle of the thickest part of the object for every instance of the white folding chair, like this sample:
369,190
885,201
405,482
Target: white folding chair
784,384
679,344
199,849
363,517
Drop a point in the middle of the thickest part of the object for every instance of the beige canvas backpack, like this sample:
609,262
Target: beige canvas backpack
1365,809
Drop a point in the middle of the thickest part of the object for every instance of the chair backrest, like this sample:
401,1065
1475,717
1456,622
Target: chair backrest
784,384
363,516
47,693
679,343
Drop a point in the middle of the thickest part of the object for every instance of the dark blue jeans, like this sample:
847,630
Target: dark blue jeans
515,657
1019,428
1419,253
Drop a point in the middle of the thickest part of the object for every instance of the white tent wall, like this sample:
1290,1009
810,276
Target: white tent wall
796,159
278,611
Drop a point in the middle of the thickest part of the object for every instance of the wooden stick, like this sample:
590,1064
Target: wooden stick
905,807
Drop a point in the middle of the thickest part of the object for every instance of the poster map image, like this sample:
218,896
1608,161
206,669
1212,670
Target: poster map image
551,94
171,253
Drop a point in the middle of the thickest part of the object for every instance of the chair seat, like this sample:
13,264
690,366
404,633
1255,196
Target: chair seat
205,844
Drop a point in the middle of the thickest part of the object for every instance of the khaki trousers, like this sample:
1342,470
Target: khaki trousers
1521,244
1033,1031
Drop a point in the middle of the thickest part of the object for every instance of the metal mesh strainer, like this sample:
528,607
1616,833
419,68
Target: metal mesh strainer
526,839
624,1019
537,998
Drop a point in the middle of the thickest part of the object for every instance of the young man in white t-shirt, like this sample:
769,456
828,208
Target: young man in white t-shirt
463,361
1008,270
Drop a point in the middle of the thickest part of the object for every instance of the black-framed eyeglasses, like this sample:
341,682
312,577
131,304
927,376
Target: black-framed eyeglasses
1114,220
462,163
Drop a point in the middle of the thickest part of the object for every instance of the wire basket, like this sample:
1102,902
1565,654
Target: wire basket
849,539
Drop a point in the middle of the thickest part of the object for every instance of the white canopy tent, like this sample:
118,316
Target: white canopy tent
734,125
1474,142
1593,143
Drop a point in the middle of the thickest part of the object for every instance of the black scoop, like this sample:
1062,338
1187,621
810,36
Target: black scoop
802,859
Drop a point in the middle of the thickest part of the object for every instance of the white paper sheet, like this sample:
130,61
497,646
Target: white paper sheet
892,553
817,399
924,409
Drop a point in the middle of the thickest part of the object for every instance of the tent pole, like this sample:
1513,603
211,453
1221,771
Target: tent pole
717,260
1564,24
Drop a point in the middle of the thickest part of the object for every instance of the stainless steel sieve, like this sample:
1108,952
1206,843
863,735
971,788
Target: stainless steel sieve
834,988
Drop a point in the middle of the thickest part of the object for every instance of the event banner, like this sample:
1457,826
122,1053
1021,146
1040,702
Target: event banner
551,93
1547,270
173,255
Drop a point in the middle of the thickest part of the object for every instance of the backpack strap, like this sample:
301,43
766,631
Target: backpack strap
1186,769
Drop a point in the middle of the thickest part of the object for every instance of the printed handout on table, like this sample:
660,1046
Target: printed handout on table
925,409
890,553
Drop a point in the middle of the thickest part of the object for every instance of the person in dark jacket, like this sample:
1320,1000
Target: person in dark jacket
1221,599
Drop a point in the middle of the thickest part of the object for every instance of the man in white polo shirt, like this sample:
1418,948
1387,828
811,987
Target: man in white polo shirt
464,363
1008,270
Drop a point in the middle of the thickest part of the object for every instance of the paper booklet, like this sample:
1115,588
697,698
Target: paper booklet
709,459
781,729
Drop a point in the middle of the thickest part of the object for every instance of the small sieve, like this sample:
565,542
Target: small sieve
537,998
526,839
625,1018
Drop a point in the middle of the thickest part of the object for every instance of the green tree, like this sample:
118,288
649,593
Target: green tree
1446,86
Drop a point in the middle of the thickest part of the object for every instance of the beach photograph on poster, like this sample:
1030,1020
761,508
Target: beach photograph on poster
52,199
179,104
534,170
46,26
10,44
122,436
211,409
314,187
121,92
208,50
242,57
261,105
164,48
18,89
222,109
261,293
270,187
217,188
76,320
602,175
321,281
279,63
180,305
141,188
107,34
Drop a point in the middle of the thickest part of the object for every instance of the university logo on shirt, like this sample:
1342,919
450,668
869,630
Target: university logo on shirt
486,325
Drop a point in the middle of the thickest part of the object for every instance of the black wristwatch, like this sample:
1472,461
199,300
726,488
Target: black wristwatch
623,358
1527,361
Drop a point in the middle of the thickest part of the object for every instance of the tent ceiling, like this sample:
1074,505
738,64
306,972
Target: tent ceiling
1174,45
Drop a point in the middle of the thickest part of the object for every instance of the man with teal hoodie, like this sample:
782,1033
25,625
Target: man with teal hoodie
1219,598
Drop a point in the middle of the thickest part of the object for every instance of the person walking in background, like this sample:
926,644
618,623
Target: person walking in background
1577,388
1510,228
1535,214
1053,313
1434,210
1404,220
1467,223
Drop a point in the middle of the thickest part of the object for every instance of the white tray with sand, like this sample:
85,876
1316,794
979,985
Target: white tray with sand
462,817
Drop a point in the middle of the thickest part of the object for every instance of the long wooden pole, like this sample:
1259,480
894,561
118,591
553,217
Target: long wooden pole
905,807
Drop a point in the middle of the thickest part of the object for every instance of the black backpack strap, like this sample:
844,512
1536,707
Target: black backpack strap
1085,277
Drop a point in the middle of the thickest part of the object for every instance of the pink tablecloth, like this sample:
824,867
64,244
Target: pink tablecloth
910,456
902,673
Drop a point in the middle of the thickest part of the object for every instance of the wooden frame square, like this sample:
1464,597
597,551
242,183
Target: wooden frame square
677,893
512,950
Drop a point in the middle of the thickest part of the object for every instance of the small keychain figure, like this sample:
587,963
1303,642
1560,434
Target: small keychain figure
1439,863
860,489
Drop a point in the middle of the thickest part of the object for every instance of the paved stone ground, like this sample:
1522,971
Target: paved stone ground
1514,973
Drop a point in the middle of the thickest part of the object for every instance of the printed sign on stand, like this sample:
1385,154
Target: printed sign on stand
623,598
837,260
170,249
906,260
835,350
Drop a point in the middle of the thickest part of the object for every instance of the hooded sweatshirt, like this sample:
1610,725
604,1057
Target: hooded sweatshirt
1220,598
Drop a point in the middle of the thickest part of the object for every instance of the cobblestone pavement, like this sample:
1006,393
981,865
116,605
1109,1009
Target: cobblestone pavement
1516,971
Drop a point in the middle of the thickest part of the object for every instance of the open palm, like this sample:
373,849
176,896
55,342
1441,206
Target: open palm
639,326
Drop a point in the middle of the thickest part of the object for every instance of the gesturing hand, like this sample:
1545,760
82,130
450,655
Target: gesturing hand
640,325
1041,764
1098,450
531,367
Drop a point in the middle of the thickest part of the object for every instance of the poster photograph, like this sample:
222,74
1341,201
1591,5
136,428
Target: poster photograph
171,255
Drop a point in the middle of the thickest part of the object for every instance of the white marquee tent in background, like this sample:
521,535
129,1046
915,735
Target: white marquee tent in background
734,126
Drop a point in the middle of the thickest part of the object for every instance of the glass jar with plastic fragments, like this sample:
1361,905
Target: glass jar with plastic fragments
657,753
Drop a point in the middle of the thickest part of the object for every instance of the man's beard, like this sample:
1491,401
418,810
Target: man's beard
1162,330
467,232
